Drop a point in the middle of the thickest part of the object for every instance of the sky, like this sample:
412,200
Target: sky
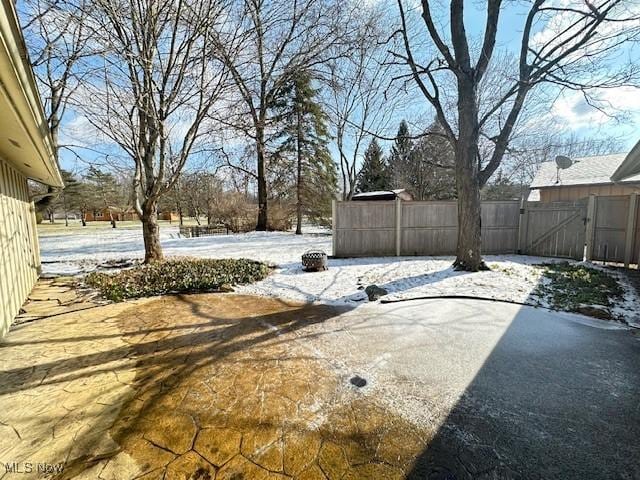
571,109
569,112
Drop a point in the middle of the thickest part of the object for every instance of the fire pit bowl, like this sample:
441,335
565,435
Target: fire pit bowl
314,260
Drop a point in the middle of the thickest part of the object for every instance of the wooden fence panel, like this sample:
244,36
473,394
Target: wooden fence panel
425,228
554,229
365,229
558,229
429,228
500,222
610,229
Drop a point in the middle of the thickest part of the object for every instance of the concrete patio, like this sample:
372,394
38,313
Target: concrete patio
228,386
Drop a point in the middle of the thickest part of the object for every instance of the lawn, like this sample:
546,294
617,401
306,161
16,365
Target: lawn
513,278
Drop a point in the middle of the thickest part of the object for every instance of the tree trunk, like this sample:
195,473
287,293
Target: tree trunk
151,233
261,225
468,253
299,179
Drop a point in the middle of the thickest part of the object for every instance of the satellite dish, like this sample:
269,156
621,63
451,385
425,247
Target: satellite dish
563,162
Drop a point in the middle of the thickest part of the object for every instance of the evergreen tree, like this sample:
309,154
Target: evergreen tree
502,188
374,174
67,200
71,196
303,137
400,157
424,167
106,191
430,171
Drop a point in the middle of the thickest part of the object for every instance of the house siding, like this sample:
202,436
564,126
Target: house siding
20,260
571,193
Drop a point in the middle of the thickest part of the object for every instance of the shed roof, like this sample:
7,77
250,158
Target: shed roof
383,195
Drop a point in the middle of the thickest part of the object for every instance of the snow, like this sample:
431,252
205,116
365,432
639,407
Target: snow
512,278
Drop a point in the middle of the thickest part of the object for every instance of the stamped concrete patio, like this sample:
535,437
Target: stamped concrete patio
234,387
198,386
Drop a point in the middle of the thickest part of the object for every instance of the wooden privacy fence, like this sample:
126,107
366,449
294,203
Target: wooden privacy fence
383,228
595,228
614,233
553,229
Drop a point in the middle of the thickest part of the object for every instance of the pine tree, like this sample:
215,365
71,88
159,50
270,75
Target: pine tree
502,188
374,174
106,190
71,196
430,173
303,138
400,157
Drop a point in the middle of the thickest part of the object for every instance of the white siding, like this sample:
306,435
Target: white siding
20,257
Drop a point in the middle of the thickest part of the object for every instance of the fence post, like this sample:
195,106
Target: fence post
334,222
398,226
591,227
521,227
631,228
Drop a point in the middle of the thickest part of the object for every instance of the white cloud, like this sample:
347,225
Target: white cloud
608,107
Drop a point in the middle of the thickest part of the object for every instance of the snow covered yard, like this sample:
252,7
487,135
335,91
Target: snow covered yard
512,278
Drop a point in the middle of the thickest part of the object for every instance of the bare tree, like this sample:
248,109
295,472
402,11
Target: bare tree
571,45
269,42
524,156
155,88
57,36
356,99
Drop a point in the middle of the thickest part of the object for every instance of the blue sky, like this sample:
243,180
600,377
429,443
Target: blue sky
570,111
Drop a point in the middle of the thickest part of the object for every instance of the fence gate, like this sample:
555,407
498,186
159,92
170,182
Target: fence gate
554,229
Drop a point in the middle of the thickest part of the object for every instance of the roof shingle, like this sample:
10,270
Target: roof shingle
583,171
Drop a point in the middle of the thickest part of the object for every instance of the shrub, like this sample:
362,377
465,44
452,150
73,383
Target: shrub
280,216
176,276
239,214
235,212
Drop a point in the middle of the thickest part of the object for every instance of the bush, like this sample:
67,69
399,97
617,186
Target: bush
235,212
280,216
176,276
240,215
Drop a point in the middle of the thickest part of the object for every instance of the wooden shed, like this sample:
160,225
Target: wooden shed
26,152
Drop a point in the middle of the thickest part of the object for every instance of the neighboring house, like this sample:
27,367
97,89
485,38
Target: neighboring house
606,175
402,194
170,216
26,152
